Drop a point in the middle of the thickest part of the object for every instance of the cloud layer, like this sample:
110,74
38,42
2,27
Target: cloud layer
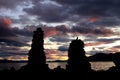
96,22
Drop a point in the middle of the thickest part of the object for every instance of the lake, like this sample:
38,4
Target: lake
52,65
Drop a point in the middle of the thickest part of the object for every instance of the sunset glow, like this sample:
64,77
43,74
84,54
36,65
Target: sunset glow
6,21
62,21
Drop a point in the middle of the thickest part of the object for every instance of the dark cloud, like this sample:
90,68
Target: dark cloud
5,30
19,53
49,12
60,38
91,30
69,2
117,46
60,33
82,28
63,48
25,20
12,56
10,3
4,54
10,51
108,40
29,29
107,11
63,28
107,21
36,1
25,31
11,42
10,36
93,7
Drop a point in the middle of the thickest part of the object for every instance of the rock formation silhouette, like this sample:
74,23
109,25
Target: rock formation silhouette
77,63
76,57
36,59
36,55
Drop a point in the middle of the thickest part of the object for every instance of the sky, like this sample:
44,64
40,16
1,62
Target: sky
96,22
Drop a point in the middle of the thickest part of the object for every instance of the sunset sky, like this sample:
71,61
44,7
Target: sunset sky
96,22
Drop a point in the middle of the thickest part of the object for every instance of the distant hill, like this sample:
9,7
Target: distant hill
11,61
100,57
58,61
96,57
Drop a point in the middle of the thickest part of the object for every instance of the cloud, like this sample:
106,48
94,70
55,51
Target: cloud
109,40
24,32
113,49
11,39
59,38
6,21
5,29
107,11
48,11
13,52
116,46
11,42
63,33
10,36
49,31
52,54
98,12
11,3
93,7
107,22
63,48
94,44
91,30
16,57
93,19
63,28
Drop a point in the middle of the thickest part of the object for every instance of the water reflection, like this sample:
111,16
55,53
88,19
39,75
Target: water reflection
94,65
101,65
52,65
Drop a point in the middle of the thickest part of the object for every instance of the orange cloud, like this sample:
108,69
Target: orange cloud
6,21
17,57
52,51
53,54
113,49
94,44
107,32
50,31
93,19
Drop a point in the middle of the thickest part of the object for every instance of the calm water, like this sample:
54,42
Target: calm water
52,65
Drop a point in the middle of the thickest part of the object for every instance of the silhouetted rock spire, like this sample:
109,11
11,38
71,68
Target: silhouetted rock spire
36,56
77,61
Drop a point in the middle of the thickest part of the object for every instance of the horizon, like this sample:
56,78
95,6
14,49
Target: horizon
95,22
